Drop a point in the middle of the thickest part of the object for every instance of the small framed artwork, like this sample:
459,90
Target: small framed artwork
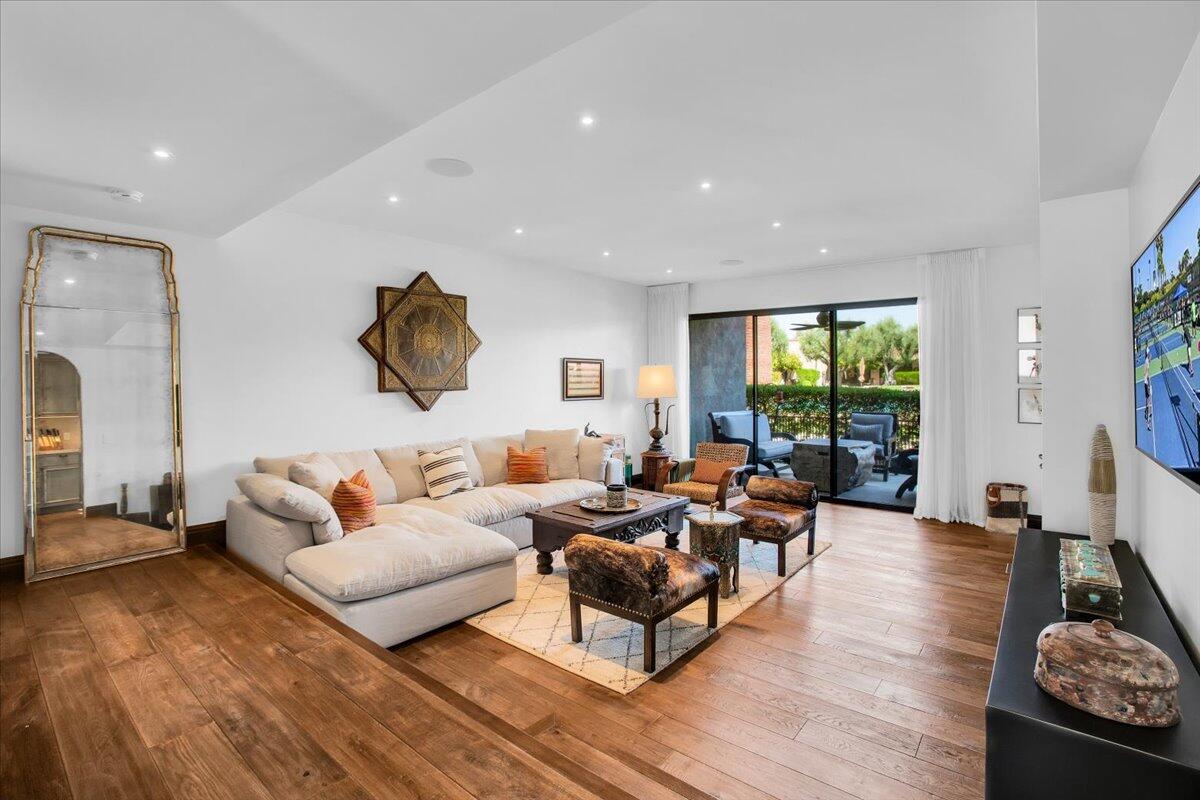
1029,325
583,379
1029,406
1029,365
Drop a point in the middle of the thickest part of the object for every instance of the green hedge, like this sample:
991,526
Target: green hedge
807,377
804,410
908,378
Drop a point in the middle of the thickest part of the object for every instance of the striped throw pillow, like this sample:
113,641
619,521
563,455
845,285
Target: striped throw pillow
445,472
354,502
530,467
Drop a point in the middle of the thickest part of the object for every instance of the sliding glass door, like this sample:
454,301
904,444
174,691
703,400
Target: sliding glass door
825,394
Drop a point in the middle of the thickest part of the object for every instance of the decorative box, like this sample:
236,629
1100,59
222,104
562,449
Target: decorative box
1090,584
1108,672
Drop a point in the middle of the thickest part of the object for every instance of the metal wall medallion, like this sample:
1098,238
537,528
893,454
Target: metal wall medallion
420,340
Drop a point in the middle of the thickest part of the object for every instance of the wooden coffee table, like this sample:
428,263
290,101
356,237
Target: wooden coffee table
554,526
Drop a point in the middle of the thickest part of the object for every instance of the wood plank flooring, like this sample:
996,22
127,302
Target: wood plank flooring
864,676
68,539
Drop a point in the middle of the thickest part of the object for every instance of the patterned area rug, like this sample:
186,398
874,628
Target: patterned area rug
538,620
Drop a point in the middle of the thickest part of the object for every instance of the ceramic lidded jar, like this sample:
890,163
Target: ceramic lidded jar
1109,673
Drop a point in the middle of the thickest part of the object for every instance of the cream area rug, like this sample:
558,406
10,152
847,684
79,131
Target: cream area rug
538,620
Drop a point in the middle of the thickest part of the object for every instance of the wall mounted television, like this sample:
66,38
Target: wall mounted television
1166,342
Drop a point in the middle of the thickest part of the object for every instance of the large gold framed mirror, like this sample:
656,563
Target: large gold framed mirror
100,404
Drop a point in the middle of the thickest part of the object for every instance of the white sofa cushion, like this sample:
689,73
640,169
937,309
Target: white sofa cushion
351,461
348,461
492,452
560,491
316,471
284,498
419,547
562,450
594,453
486,505
407,478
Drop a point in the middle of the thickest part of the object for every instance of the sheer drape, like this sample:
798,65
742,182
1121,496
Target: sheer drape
954,432
667,343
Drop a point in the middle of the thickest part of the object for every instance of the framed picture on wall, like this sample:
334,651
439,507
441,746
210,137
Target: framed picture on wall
1029,365
583,379
1029,406
1029,326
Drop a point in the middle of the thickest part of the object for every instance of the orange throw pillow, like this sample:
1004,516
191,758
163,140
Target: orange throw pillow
354,502
707,471
530,467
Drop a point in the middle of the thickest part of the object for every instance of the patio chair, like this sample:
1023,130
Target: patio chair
737,427
862,428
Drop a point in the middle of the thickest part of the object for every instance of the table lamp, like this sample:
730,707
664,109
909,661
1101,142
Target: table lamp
656,381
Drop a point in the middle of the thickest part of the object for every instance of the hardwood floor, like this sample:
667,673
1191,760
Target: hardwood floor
864,676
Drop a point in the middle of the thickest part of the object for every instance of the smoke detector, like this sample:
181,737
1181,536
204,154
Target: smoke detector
125,195
85,255
449,167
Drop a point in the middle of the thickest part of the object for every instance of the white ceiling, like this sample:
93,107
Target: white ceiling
1105,71
257,99
871,129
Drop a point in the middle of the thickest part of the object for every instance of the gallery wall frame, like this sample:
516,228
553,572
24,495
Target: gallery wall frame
583,379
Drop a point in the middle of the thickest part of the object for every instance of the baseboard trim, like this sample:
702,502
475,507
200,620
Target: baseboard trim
206,533
12,567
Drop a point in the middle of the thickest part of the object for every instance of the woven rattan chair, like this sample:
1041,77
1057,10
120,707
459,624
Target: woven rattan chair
675,477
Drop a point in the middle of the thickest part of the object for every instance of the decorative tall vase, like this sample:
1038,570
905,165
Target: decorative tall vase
1102,490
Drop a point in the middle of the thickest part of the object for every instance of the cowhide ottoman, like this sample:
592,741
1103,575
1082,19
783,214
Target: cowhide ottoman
634,582
778,511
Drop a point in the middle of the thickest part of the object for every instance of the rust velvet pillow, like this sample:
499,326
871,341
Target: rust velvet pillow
529,467
354,502
707,471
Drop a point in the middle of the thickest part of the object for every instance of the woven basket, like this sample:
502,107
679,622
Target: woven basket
1102,489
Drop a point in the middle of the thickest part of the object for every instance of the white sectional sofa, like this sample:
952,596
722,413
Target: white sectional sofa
425,562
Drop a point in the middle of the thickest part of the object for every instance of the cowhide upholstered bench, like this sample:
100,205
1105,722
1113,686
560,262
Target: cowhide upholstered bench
638,583
778,511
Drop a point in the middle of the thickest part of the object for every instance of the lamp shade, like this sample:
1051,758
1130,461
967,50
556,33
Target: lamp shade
656,380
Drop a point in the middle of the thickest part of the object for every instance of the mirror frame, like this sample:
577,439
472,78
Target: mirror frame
33,267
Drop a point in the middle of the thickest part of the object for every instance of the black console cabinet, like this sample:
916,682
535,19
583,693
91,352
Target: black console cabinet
1038,747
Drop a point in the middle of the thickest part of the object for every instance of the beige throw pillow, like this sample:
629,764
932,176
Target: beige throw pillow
316,471
593,457
562,450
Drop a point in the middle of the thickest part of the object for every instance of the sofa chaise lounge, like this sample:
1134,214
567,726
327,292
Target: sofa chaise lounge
425,562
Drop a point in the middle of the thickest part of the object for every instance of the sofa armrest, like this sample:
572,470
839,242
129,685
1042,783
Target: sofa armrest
264,539
637,567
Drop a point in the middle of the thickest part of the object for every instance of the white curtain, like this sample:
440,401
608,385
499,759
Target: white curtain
954,432
667,343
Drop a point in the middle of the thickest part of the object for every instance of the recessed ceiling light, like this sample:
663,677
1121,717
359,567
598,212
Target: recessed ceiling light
163,153
732,262
670,271
449,167
68,281
706,185
777,224
606,254
40,333
587,120
824,250
393,198
518,231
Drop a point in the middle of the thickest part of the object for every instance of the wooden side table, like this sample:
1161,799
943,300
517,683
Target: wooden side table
715,535
652,461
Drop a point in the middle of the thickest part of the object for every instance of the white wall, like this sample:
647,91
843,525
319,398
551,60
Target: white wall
1168,519
1088,375
269,318
1012,282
